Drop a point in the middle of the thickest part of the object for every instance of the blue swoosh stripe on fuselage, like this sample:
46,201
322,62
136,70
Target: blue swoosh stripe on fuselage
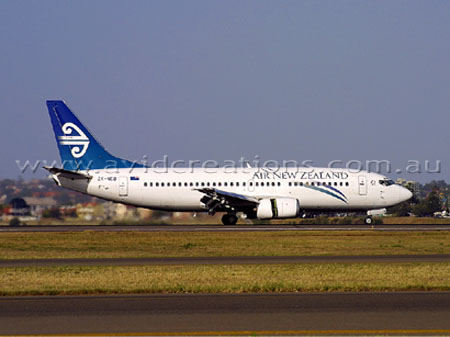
327,192
336,190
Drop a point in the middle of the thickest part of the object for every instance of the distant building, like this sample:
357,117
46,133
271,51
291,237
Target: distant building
39,205
144,213
125,212
411,185
19,207
68,211
90,211
122,212
109,209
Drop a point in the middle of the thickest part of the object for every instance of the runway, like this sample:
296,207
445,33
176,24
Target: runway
221,228
224,260
415,313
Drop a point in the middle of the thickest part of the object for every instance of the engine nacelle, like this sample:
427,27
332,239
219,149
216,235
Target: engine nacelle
278,208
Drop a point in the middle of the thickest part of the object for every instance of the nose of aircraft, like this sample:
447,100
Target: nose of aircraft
404,194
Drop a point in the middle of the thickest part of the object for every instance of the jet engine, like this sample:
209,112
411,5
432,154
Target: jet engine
277,208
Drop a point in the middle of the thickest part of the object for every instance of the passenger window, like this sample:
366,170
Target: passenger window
312,183
191,184
256,184
262,183
145,184
237,184
219,184
335,183
157,184
151,184
290,184
251,184
203,184
243,184
174,184
279,184
162,184
231,184
346,184
341,184
185,184
225,184
214,184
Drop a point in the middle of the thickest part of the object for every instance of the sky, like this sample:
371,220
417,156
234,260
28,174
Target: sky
220,80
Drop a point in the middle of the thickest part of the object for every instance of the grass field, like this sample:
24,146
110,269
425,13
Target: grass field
225,279
91,244
415,221
203,219
222,278
387,220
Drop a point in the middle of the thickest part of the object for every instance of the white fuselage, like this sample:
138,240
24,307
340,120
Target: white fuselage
316,189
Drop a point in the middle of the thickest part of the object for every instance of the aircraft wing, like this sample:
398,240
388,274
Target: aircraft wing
218,200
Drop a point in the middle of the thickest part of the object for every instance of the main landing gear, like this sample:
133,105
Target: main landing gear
229,219
368,220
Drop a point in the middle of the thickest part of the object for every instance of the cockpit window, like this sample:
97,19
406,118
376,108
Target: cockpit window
386,182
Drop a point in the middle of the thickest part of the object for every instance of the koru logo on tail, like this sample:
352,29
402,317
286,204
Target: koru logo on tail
79,143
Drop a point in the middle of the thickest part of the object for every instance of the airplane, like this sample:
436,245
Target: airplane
254,193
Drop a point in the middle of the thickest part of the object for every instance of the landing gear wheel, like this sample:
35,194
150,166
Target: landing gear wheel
368,220
229,219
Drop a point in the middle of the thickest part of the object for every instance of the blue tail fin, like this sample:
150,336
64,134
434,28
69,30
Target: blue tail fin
79,150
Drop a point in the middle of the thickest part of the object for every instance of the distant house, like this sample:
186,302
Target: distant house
38,205
19,207
85,211
90,211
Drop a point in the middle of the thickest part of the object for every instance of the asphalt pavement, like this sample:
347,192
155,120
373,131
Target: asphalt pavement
414,313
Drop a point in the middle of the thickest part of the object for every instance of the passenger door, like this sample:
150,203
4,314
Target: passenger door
123,186
362,182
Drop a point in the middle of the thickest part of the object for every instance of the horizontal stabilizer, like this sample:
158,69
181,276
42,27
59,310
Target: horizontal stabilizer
67,174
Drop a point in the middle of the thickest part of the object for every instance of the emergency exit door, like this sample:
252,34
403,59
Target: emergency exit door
123,186
362,182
